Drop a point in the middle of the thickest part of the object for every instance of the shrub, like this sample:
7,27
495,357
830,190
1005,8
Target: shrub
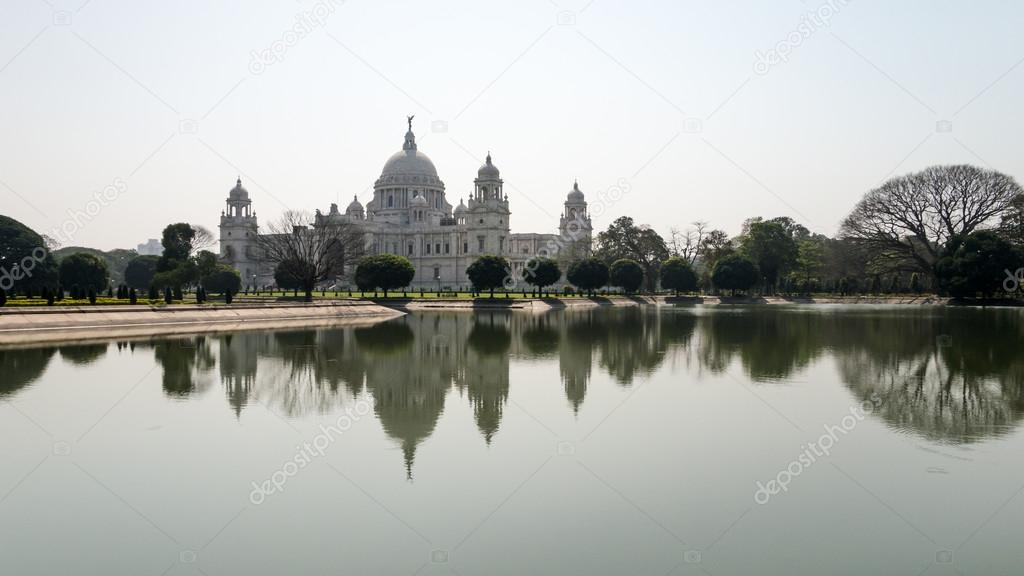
588,275
915,283
734,272
140,271
84,269
384,271
677,275
488,272
541,272
223,279
626,274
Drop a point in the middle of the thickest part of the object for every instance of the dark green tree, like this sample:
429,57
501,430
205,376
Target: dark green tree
206,264
915,283
284,278
222,279
139,272
876,284
488,272
384,271
735,272
771,246
677,275
625,240
541,273
85,270
588,275
977,264
626,274
25,261
177,243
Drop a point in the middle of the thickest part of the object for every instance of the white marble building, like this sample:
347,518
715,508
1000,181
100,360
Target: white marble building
410,215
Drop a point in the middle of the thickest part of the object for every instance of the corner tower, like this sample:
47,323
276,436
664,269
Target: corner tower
238,229
487,214
574,227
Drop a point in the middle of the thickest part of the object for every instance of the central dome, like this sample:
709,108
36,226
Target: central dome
409,163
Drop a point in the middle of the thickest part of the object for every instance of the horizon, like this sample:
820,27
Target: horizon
306,101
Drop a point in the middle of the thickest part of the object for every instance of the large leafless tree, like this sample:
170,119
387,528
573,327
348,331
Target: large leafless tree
312,249
686,243
909,219
202,239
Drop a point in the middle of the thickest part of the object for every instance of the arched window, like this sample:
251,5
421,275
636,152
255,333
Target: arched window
391,201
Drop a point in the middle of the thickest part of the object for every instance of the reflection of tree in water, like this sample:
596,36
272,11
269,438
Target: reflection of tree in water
940,372
83,354
487,366
635,340
22,367
185,363
938,375
770,343
540,336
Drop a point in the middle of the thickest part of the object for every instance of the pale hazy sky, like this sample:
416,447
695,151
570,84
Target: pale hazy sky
165,99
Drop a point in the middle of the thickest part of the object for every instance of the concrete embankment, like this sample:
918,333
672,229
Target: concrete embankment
35,325
67,323
542,304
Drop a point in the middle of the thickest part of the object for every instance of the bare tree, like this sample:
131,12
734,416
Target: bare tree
909,219
202,239
686,245
312,250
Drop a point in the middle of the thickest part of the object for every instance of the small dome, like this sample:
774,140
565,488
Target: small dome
238,192
418,200
575,195
488,171
461,207
355,206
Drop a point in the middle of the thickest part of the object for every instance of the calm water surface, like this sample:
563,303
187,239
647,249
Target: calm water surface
771,440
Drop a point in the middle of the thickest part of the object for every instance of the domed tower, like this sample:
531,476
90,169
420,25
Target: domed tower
487,215
355,210
574,226
408,174
238,230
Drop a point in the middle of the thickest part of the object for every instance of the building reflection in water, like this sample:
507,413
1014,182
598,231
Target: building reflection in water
948,374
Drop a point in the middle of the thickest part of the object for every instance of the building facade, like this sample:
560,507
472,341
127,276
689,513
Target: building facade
410,215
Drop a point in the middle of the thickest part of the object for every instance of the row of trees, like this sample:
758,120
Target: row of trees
957,230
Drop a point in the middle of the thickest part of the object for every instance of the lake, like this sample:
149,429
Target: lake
647,440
